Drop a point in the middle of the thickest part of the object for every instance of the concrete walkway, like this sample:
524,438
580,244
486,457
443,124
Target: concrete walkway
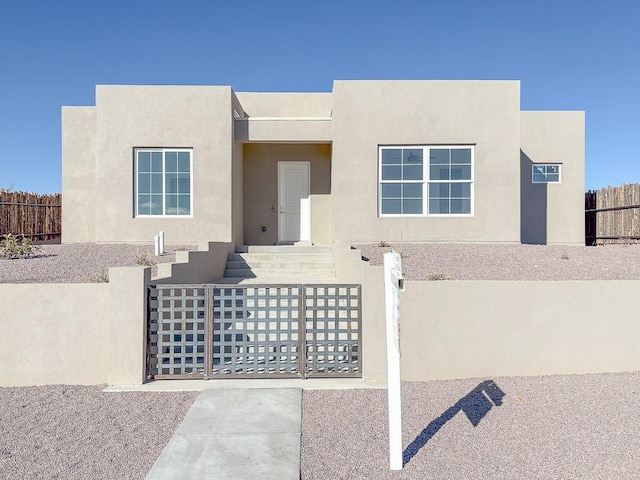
236,434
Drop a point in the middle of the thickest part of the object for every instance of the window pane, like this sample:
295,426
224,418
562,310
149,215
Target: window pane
171,183
144,162
156,161
184,184
439,190
412,172
391,206
412,190
171,161
184,162
412,207
144,183
156,205
391,190
460,206
439,156
144,204
438,206
553,169
413,156
391,156
439,172
461,172
461,155
461,190
553,177
171,205
184,205
391,172
539,178
156,183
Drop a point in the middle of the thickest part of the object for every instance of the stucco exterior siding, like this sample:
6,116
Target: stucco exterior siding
283,130
553,212
276,104
188,117
368,114
236,140
79,137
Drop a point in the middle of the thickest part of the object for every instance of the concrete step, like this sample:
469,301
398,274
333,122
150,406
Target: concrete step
284,249
280,263
266,257
279,272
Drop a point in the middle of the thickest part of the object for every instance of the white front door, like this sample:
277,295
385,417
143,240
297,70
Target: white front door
293,200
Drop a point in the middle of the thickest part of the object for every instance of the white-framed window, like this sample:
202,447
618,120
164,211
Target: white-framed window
163,182
545,173
425,180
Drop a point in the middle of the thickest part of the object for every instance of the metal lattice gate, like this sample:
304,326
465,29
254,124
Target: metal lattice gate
233,331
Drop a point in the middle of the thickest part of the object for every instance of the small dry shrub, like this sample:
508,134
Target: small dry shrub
13,247
438,276
145,260
101,277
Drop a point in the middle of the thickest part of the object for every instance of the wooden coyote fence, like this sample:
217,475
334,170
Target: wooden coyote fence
612,215
33,215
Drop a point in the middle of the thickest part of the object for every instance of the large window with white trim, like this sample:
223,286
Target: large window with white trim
163,182
425,180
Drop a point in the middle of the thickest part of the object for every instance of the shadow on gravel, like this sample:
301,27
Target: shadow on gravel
475,405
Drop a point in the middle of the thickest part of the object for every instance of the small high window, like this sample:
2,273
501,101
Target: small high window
163,182
545,173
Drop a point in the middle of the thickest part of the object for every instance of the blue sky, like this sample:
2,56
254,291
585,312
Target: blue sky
568,54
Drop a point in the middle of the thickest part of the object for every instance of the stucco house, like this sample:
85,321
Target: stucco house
415,161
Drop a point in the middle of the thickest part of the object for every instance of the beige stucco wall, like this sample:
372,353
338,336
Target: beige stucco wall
367,114
159,116
204,266
343,128
480,329
320,206
261,184
53,333
557,209
282,130
78,174
278,104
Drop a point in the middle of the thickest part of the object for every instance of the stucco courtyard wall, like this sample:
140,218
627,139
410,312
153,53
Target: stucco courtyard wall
469,329
96,333
90,333
54,333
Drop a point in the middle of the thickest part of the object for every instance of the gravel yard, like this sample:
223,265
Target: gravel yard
84,262
512,262
551,428
80,262
79,432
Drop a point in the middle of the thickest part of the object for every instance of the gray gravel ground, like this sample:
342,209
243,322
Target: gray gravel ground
79,432
512,262
79,262
555,427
